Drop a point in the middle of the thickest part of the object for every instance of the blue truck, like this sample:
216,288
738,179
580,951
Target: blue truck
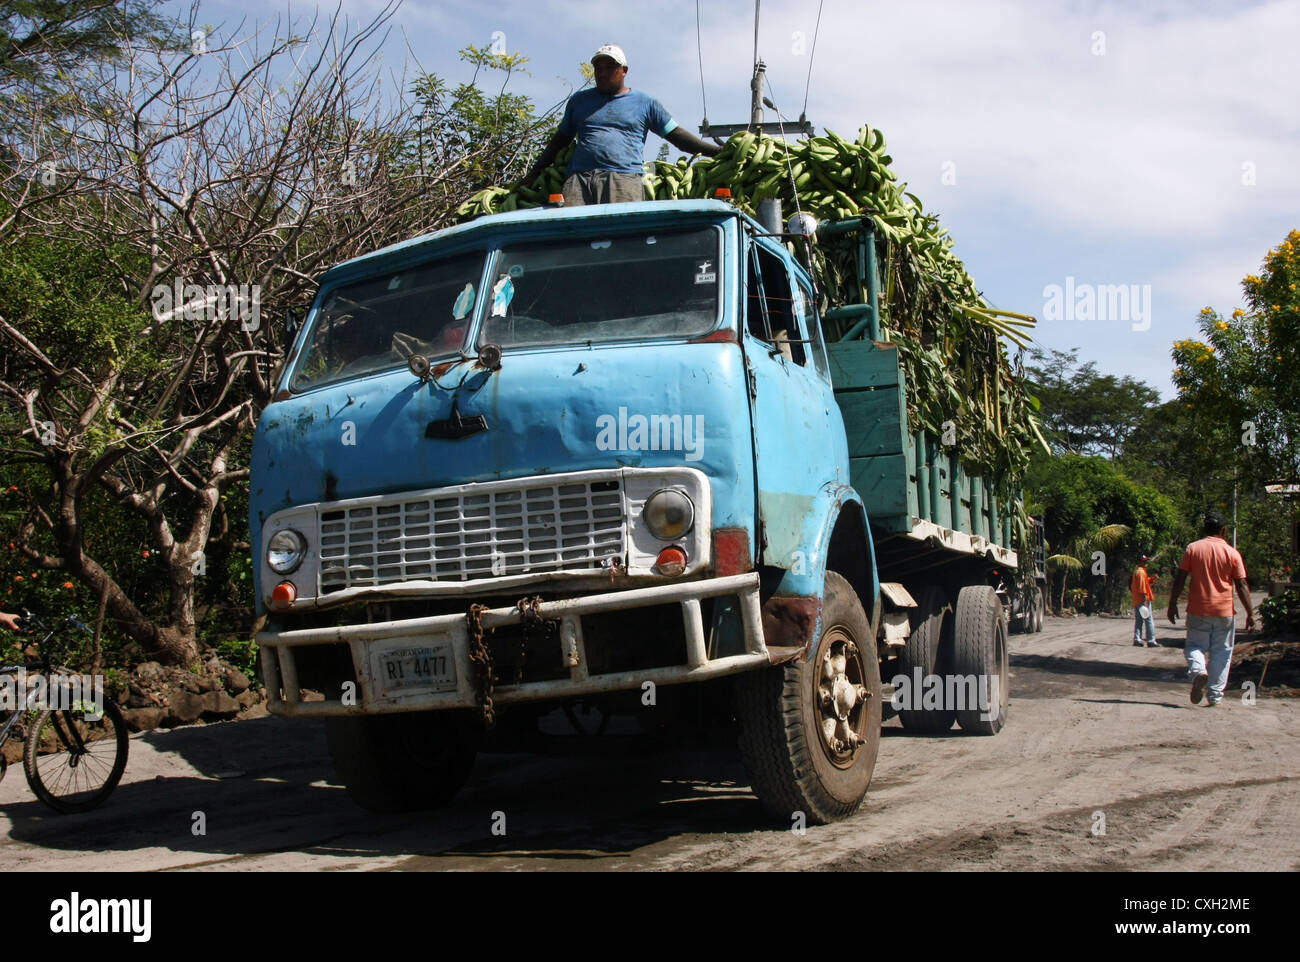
618,456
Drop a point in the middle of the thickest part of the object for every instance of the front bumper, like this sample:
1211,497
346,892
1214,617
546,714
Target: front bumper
281,676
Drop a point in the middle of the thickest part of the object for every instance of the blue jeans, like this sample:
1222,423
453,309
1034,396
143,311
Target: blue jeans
1210,638
1149,622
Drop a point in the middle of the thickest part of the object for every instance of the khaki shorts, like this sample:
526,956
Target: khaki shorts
602,187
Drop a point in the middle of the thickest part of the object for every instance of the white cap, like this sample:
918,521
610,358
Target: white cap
613,51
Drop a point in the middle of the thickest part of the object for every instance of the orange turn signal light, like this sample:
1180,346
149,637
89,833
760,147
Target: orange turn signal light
671,562
284,594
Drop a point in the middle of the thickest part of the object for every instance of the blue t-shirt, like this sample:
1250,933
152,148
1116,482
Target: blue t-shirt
611,129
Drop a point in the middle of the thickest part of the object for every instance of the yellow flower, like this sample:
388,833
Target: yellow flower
1238,313
1206,310
1222,325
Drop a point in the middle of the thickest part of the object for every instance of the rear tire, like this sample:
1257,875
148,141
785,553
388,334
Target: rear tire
402,762
929,647
980,647
810,729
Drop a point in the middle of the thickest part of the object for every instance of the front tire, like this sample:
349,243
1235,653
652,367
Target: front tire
810,729
402,762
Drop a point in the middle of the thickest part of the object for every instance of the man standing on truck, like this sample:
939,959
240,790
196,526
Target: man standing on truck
1215,568
611,123
1143,599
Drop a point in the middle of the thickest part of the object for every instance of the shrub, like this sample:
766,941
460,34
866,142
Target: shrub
1281,613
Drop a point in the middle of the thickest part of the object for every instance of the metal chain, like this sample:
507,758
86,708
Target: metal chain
529,620
481,658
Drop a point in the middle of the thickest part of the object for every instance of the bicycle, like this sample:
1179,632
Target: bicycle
75,749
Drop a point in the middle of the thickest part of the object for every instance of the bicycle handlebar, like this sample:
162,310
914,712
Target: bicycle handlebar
29,624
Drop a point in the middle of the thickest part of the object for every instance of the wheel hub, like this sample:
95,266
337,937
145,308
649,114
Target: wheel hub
842,699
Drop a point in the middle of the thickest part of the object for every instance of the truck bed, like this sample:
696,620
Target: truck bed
925,510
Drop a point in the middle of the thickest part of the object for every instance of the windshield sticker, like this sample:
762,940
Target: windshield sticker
395,283
704,275
600,245
464,303
503,292
651,239
516,270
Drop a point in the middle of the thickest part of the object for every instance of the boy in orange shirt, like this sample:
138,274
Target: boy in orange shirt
1215,569
1143,598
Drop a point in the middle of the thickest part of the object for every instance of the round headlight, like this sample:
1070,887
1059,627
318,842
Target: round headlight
669,514
285,551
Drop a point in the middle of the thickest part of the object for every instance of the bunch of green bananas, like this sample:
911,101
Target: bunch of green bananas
498,200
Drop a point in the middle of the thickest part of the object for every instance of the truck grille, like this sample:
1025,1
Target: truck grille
475,533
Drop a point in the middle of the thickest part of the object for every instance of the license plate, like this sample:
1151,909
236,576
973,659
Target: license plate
414,666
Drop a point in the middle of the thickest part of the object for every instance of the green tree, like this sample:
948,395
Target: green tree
1244,374
1084,499
1239,390
1084,412
490,138
43,41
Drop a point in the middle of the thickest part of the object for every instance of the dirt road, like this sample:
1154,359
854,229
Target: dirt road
1104,764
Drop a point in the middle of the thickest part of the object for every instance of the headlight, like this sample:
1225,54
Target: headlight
669,514
285,551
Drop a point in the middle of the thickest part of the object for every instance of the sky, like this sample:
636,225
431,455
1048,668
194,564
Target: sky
1069,148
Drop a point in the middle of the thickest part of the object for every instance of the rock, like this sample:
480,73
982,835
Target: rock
247,699
217,704
149,671
257,711
13,751
183,708
306,694
188,682
236,681
209,683
139,700
143,719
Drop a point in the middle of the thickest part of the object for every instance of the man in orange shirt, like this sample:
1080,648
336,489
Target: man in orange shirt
1143,598
1215,569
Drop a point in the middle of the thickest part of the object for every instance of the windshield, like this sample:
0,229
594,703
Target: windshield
376,323
621,287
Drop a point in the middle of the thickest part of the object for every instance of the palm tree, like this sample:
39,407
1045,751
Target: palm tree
1106,538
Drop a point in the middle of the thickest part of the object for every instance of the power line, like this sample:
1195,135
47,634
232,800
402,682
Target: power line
811,56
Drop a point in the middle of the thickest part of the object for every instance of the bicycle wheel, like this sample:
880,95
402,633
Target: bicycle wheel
74,762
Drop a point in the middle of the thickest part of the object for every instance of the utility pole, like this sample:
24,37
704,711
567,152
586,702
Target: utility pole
756,123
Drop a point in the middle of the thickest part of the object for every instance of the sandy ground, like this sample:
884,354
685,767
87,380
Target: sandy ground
1098,731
